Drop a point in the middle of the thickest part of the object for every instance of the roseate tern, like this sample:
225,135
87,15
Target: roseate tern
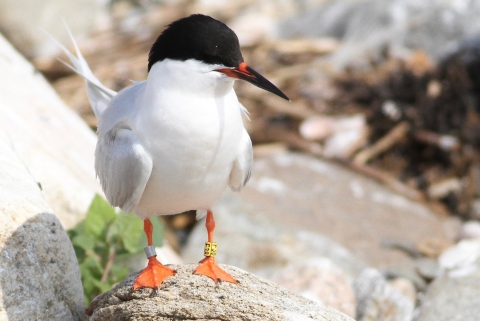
175,141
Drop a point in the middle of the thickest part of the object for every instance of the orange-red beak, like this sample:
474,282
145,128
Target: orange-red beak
244,72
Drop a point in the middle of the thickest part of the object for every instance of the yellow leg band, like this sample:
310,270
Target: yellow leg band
210,249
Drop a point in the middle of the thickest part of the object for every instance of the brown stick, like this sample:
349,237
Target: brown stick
383,144
445,142
388,180
296,110
108,267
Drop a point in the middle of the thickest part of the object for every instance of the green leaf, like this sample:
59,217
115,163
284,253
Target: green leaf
132,237
78,229
102,287
99,215
91,267
114,231
157,231
89,287
99,235
79,253
118,273
84,241
127,229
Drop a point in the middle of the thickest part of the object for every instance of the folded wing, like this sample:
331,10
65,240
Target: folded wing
242,166
123,167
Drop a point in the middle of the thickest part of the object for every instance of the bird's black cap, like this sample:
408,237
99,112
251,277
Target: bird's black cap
197,37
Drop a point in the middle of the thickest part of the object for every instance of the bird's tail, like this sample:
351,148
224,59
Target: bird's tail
98,94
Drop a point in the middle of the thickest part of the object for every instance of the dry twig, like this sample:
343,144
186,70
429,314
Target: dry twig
382,145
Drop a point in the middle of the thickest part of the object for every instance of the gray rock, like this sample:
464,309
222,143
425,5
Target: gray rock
435,26
406,288
248,238
427,268
40,278
409,272
192,297
296,206
20,21
319,280
55,144
452,298
454,294
377,300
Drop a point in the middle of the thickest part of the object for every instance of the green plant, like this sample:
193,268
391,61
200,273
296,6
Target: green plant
104,238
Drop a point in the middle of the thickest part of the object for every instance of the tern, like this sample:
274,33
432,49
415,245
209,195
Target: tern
175,141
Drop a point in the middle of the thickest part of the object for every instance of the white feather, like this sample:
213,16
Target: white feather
242,167
169,144
98,94
123,167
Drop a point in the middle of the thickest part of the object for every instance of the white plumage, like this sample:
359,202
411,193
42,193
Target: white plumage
175,141
171,143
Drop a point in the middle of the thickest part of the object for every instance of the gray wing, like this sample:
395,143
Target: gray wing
123,167
242,166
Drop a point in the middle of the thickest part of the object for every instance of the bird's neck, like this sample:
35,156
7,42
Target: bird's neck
188,77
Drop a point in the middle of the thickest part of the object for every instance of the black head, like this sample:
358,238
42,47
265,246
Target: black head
197,37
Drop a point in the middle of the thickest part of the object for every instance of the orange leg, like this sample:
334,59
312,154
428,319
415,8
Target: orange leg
154,274
208,266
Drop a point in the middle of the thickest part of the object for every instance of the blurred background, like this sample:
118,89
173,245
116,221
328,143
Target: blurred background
373,164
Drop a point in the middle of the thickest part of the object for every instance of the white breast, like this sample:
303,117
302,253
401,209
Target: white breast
193,141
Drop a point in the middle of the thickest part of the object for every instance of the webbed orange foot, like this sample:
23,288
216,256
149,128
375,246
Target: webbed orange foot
210,268
153,275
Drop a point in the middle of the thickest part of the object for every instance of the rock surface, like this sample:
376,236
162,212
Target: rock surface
192,297
20,21
51,139
378,301
39,278
296,200
452,299
319,280
366,26
248,238
454,295
297,208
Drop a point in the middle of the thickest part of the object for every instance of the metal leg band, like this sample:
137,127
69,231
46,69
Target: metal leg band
150,251
210,249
